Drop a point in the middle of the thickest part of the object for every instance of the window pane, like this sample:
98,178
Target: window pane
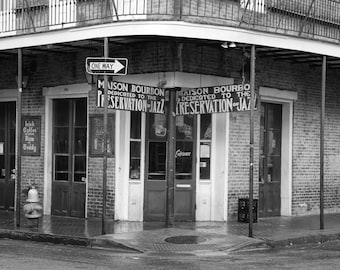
61,168
135,168
61,112
61,163
158,126
80,140
205,160
205,127
12,141
135,149
135,125
2,137
274,116
184,127
2,167
79,168
157,158
184,155
81,115
205,168
12,115
61,140
80,163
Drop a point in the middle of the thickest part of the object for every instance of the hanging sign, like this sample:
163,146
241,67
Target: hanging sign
131,97
30,143
215,99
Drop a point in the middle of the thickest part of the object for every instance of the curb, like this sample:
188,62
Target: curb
109,244
42,237
64,239
310,239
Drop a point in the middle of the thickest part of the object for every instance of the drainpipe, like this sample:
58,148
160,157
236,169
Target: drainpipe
106,55
322,132
251,165
18,169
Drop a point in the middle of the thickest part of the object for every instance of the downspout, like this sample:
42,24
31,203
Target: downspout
251,164
18,168
322,132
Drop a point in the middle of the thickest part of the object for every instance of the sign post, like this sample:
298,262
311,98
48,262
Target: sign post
105,66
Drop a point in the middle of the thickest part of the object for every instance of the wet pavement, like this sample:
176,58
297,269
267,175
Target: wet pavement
182,237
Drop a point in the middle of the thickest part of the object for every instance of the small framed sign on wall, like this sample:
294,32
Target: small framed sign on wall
31,135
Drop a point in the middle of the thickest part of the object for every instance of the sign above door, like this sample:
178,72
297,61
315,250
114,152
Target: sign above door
214,99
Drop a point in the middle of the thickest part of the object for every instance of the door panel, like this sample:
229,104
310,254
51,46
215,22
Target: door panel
69,157
185,179
7,155
270,160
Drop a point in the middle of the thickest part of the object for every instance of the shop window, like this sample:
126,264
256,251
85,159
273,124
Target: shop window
205,146
135,146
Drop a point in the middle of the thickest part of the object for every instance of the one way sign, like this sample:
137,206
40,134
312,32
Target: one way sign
106,66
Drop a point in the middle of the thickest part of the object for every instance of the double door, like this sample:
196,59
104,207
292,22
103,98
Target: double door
270,160
157,169
69,157
7,154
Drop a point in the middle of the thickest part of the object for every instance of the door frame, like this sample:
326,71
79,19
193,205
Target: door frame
59,92
286,99
209,193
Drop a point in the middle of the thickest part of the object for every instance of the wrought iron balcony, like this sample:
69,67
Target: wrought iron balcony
317,19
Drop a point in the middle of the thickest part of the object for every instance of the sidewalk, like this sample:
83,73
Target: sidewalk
207,237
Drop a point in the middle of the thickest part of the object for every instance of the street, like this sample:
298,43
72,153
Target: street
16,255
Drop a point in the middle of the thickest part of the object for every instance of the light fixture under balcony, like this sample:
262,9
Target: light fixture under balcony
227,45
232,45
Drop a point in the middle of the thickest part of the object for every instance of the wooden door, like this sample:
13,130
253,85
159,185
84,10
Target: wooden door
270,160
7,154
69,157
155,167
156,171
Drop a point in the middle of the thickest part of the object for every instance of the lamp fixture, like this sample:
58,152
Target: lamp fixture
232,45
227,45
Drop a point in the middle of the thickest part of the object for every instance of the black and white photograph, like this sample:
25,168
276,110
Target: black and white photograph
169,134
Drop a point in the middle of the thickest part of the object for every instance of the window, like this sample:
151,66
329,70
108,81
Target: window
135,146
205,146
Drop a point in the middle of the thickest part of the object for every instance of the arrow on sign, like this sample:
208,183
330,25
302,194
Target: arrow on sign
117,66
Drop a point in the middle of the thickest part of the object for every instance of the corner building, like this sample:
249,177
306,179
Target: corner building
178,122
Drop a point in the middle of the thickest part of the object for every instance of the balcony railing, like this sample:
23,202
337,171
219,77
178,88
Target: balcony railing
319,19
